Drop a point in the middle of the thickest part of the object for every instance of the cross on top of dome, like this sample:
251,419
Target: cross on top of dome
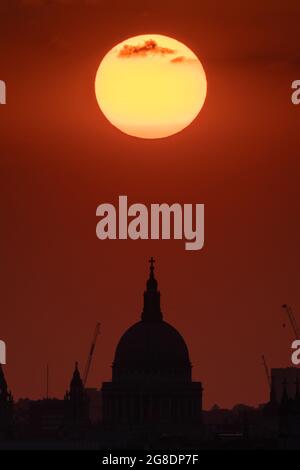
152,282
152,261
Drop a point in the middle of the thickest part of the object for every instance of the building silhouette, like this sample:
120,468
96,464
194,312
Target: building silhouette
284,380
152,374
76,405
6,408
284,401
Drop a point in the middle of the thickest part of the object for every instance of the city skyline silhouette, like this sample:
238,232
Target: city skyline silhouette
151,395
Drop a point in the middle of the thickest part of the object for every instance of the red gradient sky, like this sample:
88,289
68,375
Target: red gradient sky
60,158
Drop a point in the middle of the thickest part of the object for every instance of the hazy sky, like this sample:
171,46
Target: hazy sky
60,158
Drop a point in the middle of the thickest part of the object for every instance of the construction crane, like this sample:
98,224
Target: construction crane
91,352
292,320
264,363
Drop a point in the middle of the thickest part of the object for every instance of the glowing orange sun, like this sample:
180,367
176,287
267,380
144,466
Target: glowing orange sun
150,86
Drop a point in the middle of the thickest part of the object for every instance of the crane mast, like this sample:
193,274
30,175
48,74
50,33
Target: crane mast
91,353
292,320
264,363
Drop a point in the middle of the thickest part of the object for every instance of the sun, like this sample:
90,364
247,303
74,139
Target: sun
150,86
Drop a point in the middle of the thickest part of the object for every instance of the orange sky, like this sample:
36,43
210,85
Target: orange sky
60,158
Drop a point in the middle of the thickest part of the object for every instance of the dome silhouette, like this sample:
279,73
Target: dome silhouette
153,349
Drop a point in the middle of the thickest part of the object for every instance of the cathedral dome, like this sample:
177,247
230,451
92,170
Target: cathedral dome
152,349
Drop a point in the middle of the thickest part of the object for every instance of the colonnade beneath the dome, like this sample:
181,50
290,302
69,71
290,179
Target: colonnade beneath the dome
134,407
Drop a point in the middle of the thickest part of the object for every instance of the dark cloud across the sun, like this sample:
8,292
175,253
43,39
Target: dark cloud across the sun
149,47
182,59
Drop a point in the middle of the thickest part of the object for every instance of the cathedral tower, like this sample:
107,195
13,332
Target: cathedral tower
151,373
